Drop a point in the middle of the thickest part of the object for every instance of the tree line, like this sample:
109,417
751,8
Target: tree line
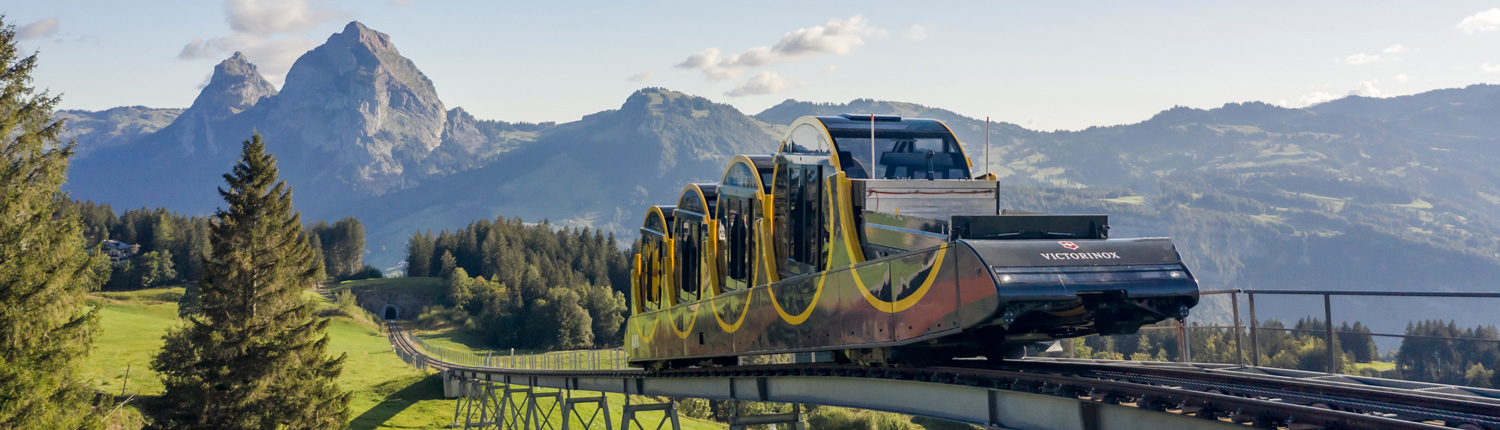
527,286
1433,351
173,245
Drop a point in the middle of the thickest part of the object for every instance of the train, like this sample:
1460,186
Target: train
869,239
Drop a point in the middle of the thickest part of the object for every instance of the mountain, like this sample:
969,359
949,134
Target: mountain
357,99
599,171
235,87
95,130
354,119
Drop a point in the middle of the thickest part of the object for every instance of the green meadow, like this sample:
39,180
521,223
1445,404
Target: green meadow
386,392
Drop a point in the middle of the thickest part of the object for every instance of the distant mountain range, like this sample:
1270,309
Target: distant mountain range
1358,193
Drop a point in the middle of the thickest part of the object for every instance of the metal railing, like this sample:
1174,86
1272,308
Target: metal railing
1329,332
592,359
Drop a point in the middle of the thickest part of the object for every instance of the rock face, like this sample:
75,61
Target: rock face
236,86
357,98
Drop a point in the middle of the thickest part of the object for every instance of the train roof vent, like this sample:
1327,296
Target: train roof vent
866,117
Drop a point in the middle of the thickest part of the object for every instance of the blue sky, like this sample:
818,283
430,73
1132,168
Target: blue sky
1044,66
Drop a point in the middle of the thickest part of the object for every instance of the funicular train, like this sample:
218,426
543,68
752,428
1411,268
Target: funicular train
868,239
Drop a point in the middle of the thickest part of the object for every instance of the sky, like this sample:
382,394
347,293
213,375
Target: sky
1045,66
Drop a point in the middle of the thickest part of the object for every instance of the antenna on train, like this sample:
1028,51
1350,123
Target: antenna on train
871,167
986,146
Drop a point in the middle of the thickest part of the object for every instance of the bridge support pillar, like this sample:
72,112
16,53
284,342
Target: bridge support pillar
538,418
480,407
795,420
629,419
601,411
453,387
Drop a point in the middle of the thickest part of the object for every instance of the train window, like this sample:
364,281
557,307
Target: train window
804,218
902,156
807,139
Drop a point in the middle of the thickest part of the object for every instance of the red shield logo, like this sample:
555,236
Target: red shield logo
1069,245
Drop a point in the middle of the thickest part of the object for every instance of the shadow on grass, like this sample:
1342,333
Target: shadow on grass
427,388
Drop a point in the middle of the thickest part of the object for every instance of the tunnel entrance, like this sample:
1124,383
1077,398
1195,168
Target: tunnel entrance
391,312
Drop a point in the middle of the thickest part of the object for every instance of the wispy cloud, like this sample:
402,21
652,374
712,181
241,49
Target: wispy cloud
39,29
761,83
1490,67
1309,99
1401,78
1390,53
1483,21
831,68
837,37
1361,59
916,32
269,33
645,76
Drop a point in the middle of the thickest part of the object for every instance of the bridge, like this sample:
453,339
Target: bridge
1034,393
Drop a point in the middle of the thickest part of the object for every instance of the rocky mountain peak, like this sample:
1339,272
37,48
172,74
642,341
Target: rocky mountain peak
235,86
357,33
358,98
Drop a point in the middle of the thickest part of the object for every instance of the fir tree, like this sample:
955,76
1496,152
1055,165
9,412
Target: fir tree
419,255
46,329
254,355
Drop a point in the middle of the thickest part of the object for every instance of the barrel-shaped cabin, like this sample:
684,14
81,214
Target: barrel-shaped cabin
693,234
653,261
743,221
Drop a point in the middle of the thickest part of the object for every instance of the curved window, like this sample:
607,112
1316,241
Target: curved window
807,139
901,155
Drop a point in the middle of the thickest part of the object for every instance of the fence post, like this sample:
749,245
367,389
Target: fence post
1333,349
1239,350
1254,342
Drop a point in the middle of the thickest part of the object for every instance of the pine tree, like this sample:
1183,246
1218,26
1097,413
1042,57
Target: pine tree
253,357
419,255
46,329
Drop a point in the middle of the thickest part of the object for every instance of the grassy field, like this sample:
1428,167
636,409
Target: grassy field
387,393
402,285
1377,365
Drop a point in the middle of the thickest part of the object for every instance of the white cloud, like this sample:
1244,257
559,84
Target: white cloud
645,76
838,37
762,83
1361,59
1367,89
266,31
267,17
832,67
1396,49
917,32
43,28
1488,20
1490,67
272,57
1401,78
1310,99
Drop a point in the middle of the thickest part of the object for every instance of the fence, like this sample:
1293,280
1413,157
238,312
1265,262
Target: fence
596,359
1329,333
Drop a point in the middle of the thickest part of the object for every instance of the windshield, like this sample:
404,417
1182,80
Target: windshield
901,156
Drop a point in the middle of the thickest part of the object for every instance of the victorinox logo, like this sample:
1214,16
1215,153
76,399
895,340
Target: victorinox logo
1069,245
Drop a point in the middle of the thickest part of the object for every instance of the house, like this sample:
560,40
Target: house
119,251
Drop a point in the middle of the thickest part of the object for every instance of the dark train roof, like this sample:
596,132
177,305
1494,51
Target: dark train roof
882,122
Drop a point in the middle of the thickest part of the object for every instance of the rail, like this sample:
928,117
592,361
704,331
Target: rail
1072,394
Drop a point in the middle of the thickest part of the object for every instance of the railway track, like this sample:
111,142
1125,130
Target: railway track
1211,394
